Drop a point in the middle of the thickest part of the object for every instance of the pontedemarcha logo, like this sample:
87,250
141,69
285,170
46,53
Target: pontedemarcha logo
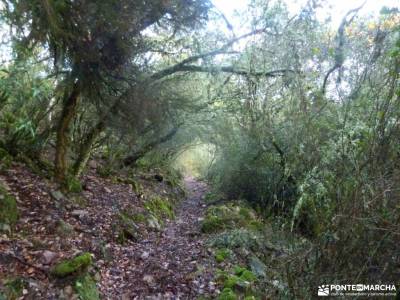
323,290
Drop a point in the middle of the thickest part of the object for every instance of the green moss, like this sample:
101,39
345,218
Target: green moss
5,159
212,224
86,288
105,171
73,185
244,274
8,210
222,254
139,218
248,276
71,266
126,227
160,208
239,278
79,201
227,294
231,281
229,216
238,270
64,229
245,212
239,238
256,225
3,153
136,186
13,288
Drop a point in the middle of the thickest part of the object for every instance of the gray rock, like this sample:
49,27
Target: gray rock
68,290
79,213
149,279
57,195
258,267
63,228
145,255
5,228
153,223
48,257
93,164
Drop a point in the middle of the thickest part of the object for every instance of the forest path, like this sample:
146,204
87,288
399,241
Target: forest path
175,264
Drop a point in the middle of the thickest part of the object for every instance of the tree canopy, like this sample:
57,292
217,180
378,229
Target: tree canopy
290,115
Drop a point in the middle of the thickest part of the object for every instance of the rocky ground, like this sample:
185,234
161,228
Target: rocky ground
163,262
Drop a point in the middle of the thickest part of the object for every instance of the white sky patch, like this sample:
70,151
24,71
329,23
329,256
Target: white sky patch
335,9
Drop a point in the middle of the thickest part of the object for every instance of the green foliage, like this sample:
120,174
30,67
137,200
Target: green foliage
105,171
126,226
229,216
73,185
227,294
239,238
5,159
86,288
8,210
64,229
222,254
160,207
13,288
239,279
72,266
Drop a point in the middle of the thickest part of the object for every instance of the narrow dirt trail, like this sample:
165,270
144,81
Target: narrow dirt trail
174,264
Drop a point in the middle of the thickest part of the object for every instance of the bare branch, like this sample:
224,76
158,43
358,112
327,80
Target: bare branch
178,67
339,55
232,70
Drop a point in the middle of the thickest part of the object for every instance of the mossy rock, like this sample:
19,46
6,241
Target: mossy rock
13,288
239,279
86,288
222,254
79,201
227,294
64,229
239,238
71,266
231,281
8,210
139,218
229,216
135,184
126,227
212,224
160,208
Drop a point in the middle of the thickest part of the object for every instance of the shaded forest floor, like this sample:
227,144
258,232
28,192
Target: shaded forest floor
174,263
163,259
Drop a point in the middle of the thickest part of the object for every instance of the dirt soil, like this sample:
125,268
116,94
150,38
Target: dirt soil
173,263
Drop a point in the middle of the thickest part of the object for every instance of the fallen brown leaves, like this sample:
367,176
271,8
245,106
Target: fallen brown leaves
162,265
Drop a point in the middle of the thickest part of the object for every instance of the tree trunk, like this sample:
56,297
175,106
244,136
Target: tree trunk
70,105
131,159
86,148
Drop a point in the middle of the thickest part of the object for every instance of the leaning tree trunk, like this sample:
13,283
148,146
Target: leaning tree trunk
86,148
133,158
70,105
87,145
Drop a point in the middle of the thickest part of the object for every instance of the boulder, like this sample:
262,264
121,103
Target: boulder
48,257
258,267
